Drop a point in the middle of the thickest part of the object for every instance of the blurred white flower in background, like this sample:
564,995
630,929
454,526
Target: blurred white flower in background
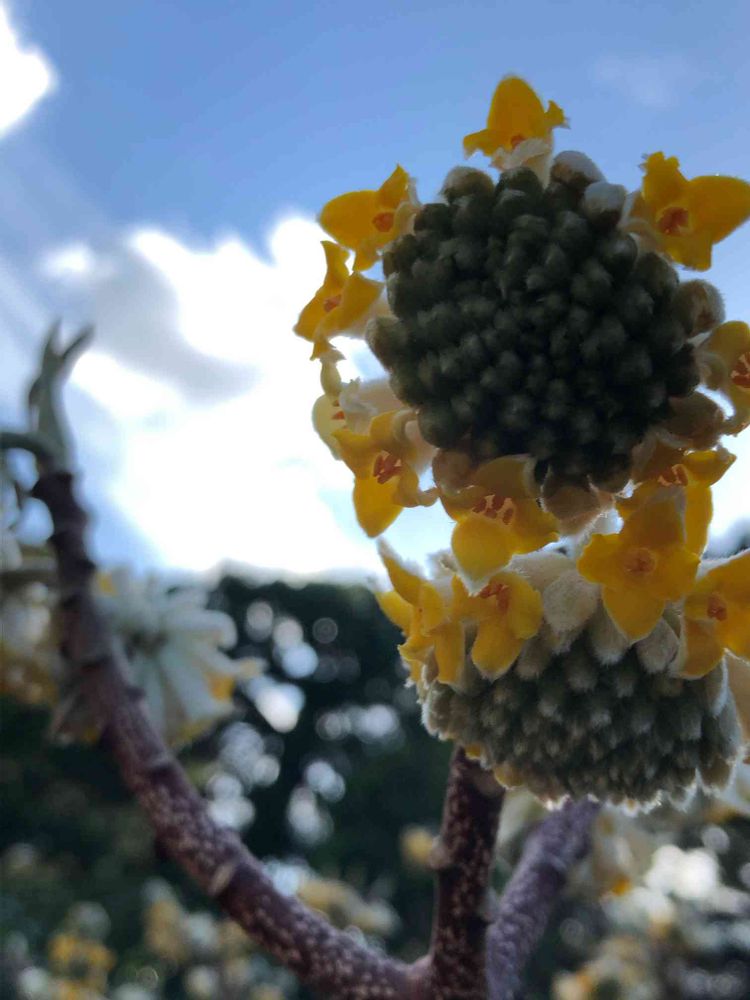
174,648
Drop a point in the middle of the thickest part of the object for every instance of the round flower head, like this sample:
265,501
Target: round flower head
548,366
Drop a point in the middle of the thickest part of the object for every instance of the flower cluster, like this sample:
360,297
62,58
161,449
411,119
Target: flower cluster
174,648
551,381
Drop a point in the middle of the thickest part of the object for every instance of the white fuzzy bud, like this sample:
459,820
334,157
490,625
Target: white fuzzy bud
658,649
607,642
533,660
603,201
542,568
700,305
575,169
569,601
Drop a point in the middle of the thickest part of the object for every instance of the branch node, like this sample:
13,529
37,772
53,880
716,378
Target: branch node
161,760
222,877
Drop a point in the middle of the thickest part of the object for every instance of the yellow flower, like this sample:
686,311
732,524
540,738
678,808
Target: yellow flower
350,405
342,304
717,616
87,962
385,463
643,567
506,612
518,127
497,517
436,616
422,610
726,355
695,472
688,217
366,221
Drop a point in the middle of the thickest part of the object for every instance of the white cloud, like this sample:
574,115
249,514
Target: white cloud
195,360
26,75
653,81
74,261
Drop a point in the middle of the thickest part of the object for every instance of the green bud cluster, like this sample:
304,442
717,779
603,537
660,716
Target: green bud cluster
526,322
570,725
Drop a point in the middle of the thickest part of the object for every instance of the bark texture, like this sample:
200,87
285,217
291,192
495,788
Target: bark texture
463,858
532,892
326,959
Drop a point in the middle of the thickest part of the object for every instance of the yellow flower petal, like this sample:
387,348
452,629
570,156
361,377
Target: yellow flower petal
663,183
687,217
656,524
634,612
406,583
480,546
450,652
396,609
600,561
348,218
496,647
525,607
394,189
673,574
732,578
358,296
432,607
365,221
720,205
324,299
516,114
374,504
533,527
703,650
357,450
698,510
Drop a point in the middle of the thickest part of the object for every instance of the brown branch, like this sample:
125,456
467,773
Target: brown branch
463,858
326,959
532,892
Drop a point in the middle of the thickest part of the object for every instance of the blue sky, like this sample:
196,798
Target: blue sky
166,186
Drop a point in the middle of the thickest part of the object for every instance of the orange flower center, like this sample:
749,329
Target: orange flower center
516,140
676,475
496,506
499,592
674,221
741,372
640,562
386,466
383,221
338,414
331,302
717,608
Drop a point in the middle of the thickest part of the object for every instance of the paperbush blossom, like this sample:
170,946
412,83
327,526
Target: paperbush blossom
726,355
553,383
366,221
174,646
687,218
